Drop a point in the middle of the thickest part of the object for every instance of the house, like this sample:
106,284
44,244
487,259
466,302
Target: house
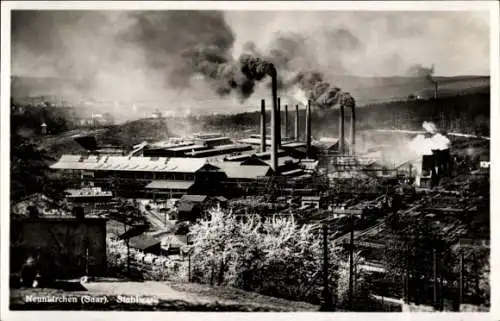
146,243
174,244
313,201
221,201
190,207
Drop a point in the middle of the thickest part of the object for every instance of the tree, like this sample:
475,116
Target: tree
273,256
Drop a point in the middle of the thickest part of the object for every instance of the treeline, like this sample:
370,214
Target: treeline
469,113
29,163
26,120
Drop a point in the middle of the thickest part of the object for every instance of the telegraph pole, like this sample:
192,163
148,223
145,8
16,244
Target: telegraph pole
189,259
351,213
351,262
461,282
327,297
128,247
434,271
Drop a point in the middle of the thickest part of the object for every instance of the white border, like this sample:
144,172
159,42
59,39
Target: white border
491,6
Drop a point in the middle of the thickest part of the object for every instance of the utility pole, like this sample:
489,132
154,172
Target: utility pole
461,282
327,297
351,263
351,213
128,247
434,271
189,259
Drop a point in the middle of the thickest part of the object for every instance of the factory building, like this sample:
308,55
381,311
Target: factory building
161,176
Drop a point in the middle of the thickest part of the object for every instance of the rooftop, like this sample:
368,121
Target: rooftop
166,184
193,198
143,242
134,163
237,171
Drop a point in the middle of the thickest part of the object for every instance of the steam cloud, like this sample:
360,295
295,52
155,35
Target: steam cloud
425,144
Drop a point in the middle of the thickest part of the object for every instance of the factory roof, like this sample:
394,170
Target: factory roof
259,162
240,157
326,142
187,147
166,184
311,198
220,149
309,164
293,172
237,171
254,141
293,144
134,163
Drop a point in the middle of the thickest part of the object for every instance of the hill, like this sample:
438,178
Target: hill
367,90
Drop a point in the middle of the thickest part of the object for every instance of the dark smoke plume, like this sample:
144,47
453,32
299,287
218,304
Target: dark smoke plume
296,59
138,55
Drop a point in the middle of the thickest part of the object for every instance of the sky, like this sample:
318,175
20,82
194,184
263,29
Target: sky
160,55
457,43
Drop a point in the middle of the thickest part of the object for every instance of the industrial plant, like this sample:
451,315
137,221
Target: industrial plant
387,211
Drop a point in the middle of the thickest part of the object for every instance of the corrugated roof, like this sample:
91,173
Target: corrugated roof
165,184
186,207
293,172
174,241
135,163
183,148
193,198
143,242
236,171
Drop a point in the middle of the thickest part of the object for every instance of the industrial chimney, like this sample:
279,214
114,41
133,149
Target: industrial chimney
263,125
297,123
286,121
341,130
353,129
308,128
279,122
274,115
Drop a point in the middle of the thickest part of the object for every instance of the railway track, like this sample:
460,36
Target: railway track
379,226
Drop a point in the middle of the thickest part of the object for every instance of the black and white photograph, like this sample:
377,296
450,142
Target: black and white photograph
267,159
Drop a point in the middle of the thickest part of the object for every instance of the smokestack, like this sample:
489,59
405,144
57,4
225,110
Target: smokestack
341,130
308,128
262,125
286,120
353,130
274,115
279,122
297,123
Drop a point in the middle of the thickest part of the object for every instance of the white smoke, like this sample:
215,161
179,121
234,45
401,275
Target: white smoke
424,145
429,127
300,96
